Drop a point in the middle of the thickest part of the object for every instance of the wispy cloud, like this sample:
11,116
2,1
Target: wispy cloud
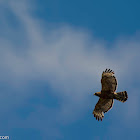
69,60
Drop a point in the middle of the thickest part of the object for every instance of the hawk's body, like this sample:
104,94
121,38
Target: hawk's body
107,94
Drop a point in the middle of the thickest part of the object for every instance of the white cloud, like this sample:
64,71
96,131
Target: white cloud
69,59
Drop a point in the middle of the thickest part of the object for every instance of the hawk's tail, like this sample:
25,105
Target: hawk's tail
121,96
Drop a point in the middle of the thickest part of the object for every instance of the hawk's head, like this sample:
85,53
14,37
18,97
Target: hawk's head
97,94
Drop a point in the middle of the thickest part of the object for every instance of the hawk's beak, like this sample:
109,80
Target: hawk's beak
94,94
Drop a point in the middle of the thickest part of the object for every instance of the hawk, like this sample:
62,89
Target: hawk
107,94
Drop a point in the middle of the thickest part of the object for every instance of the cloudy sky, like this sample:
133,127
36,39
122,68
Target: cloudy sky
52,54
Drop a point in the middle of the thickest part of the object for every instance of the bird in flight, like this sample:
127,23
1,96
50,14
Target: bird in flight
108,94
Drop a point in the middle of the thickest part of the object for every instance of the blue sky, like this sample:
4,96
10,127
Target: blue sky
52,54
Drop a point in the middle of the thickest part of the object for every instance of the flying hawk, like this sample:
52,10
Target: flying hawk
107,94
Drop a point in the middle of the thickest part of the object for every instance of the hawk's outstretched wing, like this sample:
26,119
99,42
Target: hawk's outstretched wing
102,106
109,82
